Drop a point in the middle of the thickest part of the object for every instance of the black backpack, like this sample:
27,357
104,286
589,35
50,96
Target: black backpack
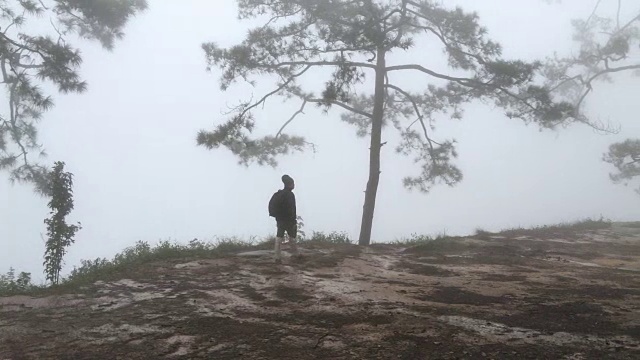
275,204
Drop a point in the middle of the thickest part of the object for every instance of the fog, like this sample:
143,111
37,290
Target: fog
130,142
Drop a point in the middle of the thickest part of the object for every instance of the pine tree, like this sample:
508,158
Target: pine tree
609,46
27,60
354,39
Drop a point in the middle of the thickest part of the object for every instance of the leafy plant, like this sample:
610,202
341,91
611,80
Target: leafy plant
301,233
333,237
59,233
417,239
10,284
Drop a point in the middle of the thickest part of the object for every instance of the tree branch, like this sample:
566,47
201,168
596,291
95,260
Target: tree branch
461,81
597,75
593,13
618,14
300,111
623,28
277,17
22,46
280,88
420,117
13,118
31,66
403,13
318,63
446,43
472,83
342,105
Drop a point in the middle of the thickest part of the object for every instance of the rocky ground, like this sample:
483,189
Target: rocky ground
543,294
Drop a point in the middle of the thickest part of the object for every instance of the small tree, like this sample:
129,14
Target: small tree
28,59
355,40
59,233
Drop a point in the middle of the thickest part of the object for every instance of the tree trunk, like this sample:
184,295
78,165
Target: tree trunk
374,152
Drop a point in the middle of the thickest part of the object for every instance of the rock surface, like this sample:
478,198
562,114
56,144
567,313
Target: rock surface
548,295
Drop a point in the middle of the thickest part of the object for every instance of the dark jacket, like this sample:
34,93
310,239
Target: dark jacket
288,207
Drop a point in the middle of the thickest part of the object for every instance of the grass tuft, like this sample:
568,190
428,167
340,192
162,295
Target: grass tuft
416,239
569,229
334,237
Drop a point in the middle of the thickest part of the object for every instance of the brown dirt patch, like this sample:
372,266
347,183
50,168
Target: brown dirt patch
423,269
455,295
573,317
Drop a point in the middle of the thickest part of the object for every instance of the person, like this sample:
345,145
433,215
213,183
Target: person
286,218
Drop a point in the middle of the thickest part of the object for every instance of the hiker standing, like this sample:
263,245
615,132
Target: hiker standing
282,206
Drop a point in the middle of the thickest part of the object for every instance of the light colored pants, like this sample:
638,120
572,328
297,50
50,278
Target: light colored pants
278,247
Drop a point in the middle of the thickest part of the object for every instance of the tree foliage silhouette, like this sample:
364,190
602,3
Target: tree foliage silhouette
29,60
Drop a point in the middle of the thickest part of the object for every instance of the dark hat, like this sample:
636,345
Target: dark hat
287,180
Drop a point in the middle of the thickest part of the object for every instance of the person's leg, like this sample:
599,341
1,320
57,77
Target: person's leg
279,236
292,231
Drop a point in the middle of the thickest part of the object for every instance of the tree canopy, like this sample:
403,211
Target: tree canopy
29,59
625,156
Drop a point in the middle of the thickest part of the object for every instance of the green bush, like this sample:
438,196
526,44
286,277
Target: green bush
333,237
10,284
416,239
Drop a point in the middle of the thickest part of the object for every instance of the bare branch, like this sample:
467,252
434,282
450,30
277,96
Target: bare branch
32,66
628,24
564,81
597,75
447,44
60,34
280,88
284,16
461,81
318,63
593,13
300,111
420,117
342,105
286,82
618,14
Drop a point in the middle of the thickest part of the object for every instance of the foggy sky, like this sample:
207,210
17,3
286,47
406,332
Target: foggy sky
130,141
